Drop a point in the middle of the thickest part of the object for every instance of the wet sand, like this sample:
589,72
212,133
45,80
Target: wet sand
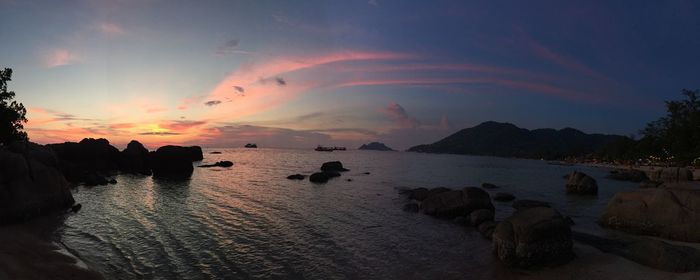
26,252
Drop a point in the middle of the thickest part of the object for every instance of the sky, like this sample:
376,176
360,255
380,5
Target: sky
296,74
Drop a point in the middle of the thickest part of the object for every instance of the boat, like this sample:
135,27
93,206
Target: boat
251,145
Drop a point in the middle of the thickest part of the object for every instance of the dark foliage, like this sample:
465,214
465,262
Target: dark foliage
12,113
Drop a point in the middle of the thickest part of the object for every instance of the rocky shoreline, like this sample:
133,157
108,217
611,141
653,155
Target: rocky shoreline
536,236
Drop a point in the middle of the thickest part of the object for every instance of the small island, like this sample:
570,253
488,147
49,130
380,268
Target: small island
375,146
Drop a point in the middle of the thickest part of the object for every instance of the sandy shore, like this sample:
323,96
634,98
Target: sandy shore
26,252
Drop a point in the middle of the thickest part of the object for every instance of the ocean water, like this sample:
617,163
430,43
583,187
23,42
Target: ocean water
250,222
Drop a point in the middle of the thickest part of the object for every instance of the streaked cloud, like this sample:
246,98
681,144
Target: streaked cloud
60,57
110,29
212,103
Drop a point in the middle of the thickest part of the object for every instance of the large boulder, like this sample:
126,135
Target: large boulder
667,213
134,159
633,175
537,236
172,162
86,158
671,175
319,177
333,166
580,183
30,183
454,203
195,153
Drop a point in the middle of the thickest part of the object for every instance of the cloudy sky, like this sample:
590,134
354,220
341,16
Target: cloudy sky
303,73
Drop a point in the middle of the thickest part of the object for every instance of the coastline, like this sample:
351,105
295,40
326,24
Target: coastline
27,252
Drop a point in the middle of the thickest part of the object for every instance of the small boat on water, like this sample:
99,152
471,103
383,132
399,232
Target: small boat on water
251,145
329,149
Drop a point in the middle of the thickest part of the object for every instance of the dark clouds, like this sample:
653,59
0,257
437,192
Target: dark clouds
212,103
277,80
239,89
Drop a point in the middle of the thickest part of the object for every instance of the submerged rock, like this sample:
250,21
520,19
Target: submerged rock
319,177
30,182
537,236
503,196
333,166
667,213
224,163
453,203
580,183
296,177
411,207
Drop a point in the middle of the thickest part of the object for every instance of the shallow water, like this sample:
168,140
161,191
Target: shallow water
249,221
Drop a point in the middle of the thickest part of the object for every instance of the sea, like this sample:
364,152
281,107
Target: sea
250,222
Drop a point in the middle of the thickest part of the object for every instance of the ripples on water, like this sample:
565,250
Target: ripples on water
249,221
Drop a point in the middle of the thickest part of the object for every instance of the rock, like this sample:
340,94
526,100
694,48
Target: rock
112,181
215,153
251,145
667,213
172,162
296,177
632,175
224,163
646,251
488,186
134,159
319,177
537,236
461,220
366,173
332,173
333,166
503,196
479,216
75,208
195,153
522,204
649,184
30,183
580,183
76,160
93,179
349,180
411,207
486,229
671,175
453,203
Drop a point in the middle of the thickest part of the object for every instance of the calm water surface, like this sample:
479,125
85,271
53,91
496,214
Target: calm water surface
249,221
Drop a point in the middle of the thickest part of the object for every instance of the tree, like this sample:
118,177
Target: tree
678,133
12,113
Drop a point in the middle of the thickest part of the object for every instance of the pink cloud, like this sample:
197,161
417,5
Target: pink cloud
400,116
60,57
110,29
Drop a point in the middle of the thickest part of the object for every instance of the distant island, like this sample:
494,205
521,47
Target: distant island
507,140
375,146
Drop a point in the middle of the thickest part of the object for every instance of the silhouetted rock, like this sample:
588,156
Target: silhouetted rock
453,203
411,207
296,177
224,163
251,145
333,166
215,153
75,208
319,177
366,173
93,179
173,161
667,213
503,196
30,182
195,153
522,204
112,181
488,186
671,175
375,146
332,173
134,159
481,215
580,183
537,236
77,160
632,175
